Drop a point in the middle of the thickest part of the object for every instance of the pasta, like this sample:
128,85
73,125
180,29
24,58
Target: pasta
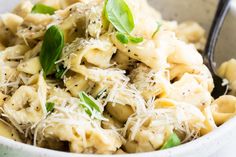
8,132
223,109
76,78
226,71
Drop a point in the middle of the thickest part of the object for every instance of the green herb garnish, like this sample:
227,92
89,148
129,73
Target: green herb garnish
89,103
60,72
43,9
172,141
122,38
120,16
157,30
52,47
135,40
50,106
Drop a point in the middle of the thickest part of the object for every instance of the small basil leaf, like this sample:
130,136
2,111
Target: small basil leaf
122,38
43,9
136,40
90,102
172,141
51,50
157,30
60,72
50,106
119,15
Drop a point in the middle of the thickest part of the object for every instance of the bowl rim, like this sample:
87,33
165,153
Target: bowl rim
190,146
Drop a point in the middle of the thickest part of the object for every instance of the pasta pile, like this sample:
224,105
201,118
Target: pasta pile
84,76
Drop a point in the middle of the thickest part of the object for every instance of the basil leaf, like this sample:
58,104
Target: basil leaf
60,72
122,38
119,14
43,9
136,40
88,102
50,106
157,30
172,141
51,50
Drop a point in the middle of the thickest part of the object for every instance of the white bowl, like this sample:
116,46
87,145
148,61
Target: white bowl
181,10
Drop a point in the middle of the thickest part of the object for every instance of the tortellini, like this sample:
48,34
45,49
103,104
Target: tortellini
96,52
209,123
120,112
33,27
185,54
123,62
188,90
3,97
192,32
77,83
24,106
145,140
200,73
147,132
23,8
145,52
7,38
2,47
223,109
9,132
11,21
31,66
151,83
15,52
79,129
226,70
192,114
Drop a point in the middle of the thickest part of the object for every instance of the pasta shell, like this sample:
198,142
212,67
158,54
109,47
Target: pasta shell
31,66
223,109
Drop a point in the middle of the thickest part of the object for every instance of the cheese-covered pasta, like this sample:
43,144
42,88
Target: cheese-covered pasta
105,77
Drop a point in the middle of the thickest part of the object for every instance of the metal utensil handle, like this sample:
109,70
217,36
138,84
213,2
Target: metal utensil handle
221,12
